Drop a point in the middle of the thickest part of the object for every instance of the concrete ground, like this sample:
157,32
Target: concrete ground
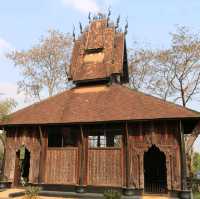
5,195
155,197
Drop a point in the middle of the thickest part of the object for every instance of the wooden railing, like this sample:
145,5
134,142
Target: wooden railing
155,187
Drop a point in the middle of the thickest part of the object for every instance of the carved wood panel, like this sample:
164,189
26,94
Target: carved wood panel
15,139
164,135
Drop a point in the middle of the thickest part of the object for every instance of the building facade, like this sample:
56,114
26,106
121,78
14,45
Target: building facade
100,134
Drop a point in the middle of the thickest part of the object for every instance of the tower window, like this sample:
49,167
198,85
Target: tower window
95,55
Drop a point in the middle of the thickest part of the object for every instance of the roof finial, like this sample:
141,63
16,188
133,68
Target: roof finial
117,22
101,15
89,17
126,28
81,27
109,13
73,34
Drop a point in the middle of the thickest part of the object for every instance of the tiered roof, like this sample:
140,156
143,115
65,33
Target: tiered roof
98,54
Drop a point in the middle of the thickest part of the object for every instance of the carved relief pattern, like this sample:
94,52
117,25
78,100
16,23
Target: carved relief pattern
164,136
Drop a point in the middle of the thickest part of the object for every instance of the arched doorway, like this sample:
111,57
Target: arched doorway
155,172
22,166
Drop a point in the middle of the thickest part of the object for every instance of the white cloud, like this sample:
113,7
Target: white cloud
84,6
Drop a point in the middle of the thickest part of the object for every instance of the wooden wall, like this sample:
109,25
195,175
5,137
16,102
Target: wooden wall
61,166
15,139
105,167
165,136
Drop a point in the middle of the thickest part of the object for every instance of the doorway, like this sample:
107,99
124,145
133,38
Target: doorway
155,172
22,166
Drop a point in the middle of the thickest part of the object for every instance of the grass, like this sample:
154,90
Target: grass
196,195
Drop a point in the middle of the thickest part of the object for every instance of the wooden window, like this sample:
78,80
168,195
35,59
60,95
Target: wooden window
94,58
97,141
95,55
104,138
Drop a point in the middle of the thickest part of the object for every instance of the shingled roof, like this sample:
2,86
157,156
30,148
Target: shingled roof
97,104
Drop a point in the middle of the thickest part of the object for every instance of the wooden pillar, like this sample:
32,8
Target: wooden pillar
128,191
82,160
42,155
4,153
183,158
127,158
141,176
185,193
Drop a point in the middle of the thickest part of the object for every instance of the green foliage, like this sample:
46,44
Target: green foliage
112,194
1,155
6,106
3,178
196,163
196,195
32,192
195,187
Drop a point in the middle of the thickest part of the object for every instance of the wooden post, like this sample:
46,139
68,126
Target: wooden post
4,154
127,156
80,188
41,165
183,158
128,191
185,193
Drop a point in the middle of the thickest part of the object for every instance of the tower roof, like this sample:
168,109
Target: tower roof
99,53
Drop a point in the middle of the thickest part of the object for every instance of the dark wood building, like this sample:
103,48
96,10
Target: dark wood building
100,134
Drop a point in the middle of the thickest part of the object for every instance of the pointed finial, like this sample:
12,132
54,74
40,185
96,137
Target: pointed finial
81,27
95,17
126,28
73,34
101,15
117,22
89,17
109,14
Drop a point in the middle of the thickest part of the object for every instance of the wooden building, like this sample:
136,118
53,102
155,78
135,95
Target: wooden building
100,134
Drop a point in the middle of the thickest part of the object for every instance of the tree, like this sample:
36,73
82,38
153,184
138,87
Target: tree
183,62
196,163
6,106
146,75
172,73
45,66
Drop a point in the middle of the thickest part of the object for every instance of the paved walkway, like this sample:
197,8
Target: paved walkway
155,197
5,194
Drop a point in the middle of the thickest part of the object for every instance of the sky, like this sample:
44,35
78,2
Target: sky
23,22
